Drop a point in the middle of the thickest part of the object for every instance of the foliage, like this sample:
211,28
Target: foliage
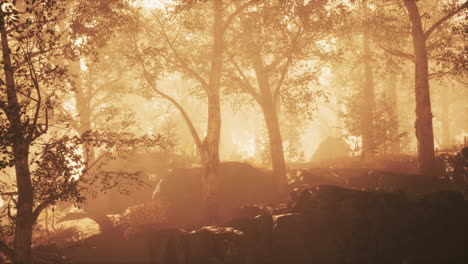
385,125
456,166
384,122
60,174
291,133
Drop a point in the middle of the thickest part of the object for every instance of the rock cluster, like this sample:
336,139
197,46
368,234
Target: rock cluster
329,224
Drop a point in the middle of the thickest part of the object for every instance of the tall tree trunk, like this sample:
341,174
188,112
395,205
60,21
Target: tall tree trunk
210,146
269,108
24,216
83,107
445,118
367,110
276,145
392,87
423,124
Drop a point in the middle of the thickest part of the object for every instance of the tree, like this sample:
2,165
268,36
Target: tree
392,19
368,104
169,51
423,125
22,101
275,52
47,170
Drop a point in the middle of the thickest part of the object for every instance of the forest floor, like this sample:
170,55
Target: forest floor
333,215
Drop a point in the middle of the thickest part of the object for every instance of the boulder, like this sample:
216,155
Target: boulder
238,184
347,226
257,238
414,185
206,245
440,228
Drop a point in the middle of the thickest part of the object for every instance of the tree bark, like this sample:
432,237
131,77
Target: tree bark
83,107
423,124
276,145
210,145
392,87
445,118
24,216
367,110
269,108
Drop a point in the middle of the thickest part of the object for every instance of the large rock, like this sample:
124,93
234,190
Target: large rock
440,228
133,179
413,185
238,184
258,230
324,224
346,226
206,245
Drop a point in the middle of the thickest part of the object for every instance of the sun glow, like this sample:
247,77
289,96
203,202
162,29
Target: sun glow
153,4
245,146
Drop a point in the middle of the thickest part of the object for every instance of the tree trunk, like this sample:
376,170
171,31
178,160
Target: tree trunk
445,118
367,110
210,146
24,216
270,113
276,145
83,107
395,144
423,124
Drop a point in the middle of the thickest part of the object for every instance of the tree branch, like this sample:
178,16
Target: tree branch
284,72
9,193
182,111
41,207
285,69
34,54
180,60
32,133
235,13
443,19
247,85
397,53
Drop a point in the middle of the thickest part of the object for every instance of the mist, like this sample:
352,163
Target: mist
233,131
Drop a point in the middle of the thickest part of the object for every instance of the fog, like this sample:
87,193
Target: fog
233,131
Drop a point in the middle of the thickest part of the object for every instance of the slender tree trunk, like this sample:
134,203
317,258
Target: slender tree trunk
46,219
83,107
423,124
367,111
24,216
210,146
276,145
392,87
269,108
445,118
